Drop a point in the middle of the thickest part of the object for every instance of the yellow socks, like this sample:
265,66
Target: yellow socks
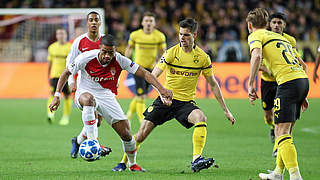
132,108
140,108
124,157
199,138
288,154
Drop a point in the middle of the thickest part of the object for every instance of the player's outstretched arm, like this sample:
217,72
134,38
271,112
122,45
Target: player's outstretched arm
62,81
166,95
255,62
215,88
316,66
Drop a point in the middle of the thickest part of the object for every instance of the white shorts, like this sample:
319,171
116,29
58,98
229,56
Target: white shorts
106,105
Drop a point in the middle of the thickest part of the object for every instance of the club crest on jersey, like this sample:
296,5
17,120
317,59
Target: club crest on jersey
132,63
196,60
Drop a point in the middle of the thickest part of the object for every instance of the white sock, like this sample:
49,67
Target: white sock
90,122
82,136
130,148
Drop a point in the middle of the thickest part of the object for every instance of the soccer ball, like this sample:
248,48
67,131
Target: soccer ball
90,150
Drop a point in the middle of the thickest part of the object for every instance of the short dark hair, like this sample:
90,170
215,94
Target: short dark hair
149,13
278,15
108,40
189,23
93,12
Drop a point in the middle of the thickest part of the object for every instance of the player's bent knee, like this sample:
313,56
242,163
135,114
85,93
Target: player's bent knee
86,99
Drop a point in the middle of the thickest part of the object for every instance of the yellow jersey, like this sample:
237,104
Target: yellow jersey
278,54
57,55
293,42
183,70
146,46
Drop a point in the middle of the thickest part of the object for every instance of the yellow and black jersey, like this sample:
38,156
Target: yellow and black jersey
183,70
278,54
57,55
146,46
293,43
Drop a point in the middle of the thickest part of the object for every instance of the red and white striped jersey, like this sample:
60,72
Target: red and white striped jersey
98,78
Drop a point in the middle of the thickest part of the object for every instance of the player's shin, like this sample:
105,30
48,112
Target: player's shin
50,114
132,108
67,105
125,158
279,162
129,148
288,154
90,122
140,108
199,138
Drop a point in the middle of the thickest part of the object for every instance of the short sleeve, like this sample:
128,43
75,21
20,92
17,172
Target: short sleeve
163,43
77,64
254,41
207,68
131,41
165,58
127,64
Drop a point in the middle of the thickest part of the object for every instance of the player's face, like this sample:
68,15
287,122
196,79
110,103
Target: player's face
186,37
277,25
106,54
61,35
148,23
93,22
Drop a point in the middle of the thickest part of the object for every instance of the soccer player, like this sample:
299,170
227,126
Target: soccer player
316,66
183,63
292,89
148,44
277,23
85,42
97,89
57,53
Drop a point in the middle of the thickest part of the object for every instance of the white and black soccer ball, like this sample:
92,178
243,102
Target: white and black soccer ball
90,150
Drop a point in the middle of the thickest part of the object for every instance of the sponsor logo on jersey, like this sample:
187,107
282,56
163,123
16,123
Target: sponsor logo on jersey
132,63
183,73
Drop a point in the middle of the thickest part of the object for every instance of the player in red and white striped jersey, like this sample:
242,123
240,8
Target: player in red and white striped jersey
85,42
97,88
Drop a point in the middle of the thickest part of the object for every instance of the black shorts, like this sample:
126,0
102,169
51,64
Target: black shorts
289,98
53,84
142,85
158,113
268,93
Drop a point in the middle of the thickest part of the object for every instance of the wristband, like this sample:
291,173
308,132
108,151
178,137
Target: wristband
57,94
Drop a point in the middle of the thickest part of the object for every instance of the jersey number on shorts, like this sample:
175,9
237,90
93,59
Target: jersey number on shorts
287,48
277,104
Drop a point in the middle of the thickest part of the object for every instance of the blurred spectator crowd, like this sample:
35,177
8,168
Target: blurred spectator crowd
219,20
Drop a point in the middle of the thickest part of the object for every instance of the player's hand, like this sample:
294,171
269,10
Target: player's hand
54,104
72,87
305,105
230,117
315,77
166,97
252,93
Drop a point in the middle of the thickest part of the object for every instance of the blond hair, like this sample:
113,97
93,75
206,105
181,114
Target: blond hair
258,17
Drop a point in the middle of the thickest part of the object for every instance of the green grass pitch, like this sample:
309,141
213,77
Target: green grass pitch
33,149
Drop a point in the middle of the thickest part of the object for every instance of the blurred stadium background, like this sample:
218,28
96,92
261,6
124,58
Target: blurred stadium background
27,28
